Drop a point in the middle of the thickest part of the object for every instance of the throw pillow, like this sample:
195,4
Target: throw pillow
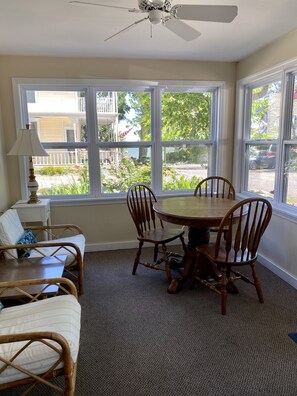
27,238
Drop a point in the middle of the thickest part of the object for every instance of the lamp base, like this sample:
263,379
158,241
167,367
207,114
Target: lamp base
32,184
33,199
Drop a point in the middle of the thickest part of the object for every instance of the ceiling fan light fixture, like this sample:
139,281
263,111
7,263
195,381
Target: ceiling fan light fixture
156,2
155,17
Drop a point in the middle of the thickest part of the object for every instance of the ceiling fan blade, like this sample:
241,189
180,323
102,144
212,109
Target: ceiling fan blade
181,29
126,28
86,4
210,13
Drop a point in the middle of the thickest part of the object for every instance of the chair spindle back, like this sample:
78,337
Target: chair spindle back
245,224
215,186
140,200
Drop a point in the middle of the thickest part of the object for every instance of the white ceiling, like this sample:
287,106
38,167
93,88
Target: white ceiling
56,28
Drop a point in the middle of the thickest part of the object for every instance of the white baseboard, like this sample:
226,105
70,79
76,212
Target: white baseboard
281,273
99,247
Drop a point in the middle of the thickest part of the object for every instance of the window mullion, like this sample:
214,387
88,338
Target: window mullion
156,114
93,152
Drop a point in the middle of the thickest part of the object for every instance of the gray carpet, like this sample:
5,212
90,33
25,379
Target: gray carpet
136,339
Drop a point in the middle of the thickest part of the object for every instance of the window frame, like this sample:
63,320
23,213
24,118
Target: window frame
21,85
284,72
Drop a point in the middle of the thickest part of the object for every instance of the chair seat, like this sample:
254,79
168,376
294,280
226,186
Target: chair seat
161,235
78,240
60,314
209,250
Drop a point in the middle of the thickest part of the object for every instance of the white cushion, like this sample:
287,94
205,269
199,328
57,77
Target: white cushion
78,240
59,314
11,230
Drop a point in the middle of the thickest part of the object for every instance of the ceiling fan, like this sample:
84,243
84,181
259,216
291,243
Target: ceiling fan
161,11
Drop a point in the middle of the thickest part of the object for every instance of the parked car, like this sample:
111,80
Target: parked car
264,158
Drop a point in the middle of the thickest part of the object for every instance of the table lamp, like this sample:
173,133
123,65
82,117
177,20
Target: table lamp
28,144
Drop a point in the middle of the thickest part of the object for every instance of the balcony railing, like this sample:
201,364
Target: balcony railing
104,105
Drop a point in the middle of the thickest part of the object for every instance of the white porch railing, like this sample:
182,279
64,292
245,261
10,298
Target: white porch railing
75,157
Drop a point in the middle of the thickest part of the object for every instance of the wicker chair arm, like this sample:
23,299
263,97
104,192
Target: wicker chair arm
35,336
71,227
54,231
66,286
36,246
62,350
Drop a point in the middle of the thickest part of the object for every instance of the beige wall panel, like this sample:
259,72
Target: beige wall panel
279,51
104,224
4,190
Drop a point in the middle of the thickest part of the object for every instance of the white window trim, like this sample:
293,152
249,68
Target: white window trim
280,70
20,84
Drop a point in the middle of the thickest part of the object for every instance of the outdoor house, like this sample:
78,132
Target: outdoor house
60,116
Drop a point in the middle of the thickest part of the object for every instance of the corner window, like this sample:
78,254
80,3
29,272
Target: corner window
103,137
268,131
263,110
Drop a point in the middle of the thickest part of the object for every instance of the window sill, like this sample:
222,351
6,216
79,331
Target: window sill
280,210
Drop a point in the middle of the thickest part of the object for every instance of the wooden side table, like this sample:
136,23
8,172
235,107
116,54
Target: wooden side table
31,268
34,213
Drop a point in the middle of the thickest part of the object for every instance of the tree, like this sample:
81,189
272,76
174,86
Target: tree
185,116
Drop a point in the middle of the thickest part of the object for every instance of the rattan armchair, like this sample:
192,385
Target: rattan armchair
39,340
62,239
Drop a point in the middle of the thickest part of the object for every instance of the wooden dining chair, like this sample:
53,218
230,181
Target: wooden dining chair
217,187
246,222
140,201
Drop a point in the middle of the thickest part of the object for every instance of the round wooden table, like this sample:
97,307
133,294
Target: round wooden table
199,214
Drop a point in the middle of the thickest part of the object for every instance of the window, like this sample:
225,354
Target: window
267,128
102,137
263,110
187,118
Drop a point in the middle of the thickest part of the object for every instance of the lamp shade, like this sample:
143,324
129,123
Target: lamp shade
28,144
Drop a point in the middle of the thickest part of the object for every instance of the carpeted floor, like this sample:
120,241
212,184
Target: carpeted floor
137,340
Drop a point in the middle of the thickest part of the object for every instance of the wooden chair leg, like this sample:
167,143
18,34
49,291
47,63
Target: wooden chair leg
156,253
257,284
182,239
223,291
166,262
136,261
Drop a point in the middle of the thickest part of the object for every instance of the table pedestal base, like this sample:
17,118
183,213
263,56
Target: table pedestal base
196,237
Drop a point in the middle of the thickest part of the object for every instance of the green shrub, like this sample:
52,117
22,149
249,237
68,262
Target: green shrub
54,170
